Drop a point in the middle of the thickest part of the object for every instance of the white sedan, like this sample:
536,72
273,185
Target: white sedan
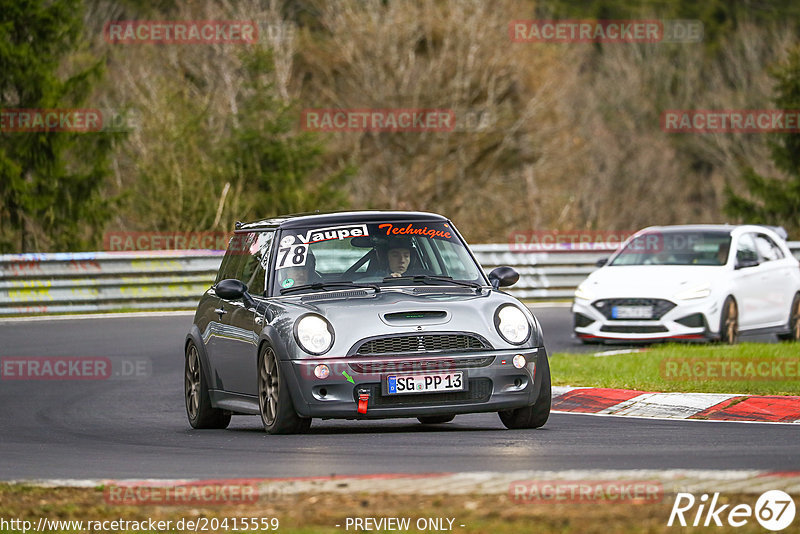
692,282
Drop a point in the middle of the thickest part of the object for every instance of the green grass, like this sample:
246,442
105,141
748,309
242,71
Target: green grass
318,513
682,367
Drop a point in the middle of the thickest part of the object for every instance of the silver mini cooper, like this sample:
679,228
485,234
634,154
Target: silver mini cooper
361,315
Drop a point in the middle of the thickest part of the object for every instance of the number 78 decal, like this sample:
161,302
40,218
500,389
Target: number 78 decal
294,256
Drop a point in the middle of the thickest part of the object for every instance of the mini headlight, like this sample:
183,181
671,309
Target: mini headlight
322,371
314,334
519,361
512,324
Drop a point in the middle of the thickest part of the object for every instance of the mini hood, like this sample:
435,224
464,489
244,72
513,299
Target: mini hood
401,312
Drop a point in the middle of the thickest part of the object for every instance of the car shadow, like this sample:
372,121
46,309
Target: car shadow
370,427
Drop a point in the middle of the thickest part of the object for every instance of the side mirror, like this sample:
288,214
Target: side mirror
743,264
231,289
503,277
601,262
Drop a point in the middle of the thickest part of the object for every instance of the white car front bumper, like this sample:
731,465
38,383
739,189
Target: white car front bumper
699,320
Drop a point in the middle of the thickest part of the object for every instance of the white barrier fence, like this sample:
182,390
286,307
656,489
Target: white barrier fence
33,284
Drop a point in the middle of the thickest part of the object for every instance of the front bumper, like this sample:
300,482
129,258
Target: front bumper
493,385
665,328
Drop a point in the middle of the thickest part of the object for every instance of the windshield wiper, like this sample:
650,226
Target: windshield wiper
426,278
330,285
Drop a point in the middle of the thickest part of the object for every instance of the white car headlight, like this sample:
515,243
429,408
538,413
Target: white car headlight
314,334
512,324
582,293
698,292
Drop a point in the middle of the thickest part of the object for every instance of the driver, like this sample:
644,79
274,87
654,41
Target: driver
399,258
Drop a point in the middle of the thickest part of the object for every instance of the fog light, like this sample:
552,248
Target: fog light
322,371
519,361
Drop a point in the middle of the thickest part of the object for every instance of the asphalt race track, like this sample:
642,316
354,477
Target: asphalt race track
137,428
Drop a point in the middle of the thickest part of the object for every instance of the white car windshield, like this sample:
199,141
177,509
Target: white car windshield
382,253
675,248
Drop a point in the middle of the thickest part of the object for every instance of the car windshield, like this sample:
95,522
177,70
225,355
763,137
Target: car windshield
675,248
382,253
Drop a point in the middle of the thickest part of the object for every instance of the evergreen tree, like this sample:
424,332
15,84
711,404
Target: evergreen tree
278,166
50,181
775,200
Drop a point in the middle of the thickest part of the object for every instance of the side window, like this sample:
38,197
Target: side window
767,248
746,249
232,260
246,260
256,259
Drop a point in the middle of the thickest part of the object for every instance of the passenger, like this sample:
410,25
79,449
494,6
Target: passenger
300,276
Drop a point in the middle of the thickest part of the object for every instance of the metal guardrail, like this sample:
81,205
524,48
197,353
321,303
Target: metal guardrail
100,281
543,274
32,284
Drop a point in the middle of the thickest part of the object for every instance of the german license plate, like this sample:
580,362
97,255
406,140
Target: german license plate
632,312
427,383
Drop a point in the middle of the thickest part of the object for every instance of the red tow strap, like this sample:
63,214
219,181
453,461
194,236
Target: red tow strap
363,398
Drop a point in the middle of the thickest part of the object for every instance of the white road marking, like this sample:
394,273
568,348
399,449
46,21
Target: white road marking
486,483
674,419
668,405
616,352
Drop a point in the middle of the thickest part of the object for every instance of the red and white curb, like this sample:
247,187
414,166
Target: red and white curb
476,483
693,406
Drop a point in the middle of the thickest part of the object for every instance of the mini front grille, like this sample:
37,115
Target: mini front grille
421,343
401,366
660,307
480,389
634,329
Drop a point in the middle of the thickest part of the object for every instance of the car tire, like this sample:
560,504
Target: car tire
535,415
198,402
435,419
729,322
275,403
794,322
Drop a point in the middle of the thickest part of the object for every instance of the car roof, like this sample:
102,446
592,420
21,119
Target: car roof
300,220
725,228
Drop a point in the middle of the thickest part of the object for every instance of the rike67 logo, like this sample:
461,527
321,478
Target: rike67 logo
774,510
